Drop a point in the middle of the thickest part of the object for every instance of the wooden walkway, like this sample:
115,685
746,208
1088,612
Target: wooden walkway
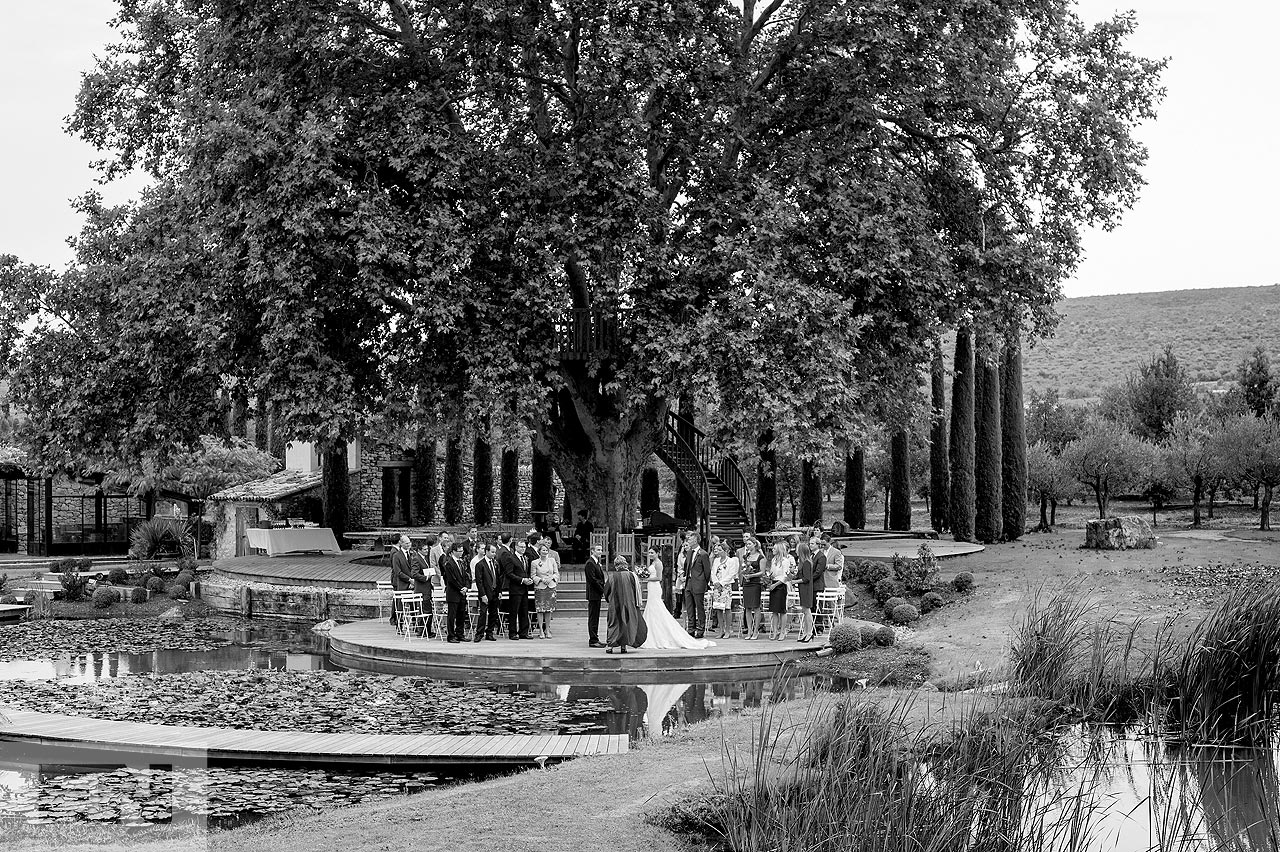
335,570
230,745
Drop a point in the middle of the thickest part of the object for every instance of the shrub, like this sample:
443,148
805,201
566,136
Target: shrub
73,584
160,537
83,563
918,574
184,578
118,576
29,597
4,581
904,614
932,601
187,565
893,603
873,572
178,592
155,585
845,637
887,588
103,597
885,636
8,599
963,582
867,633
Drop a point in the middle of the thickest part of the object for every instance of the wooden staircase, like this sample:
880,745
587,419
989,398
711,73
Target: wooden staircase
725,507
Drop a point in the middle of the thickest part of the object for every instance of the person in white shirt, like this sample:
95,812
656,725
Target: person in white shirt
724,571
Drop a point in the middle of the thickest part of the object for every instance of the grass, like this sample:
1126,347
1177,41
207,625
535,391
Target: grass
894,666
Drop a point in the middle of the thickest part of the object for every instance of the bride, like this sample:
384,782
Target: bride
664,631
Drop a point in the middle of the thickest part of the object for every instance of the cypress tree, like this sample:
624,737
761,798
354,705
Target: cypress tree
335,488
939,474
238,426
509,486
425,489
482,480
1013,442
987,468
810,494
453,480
900,480
961,447
766,484
650,499
542,486
855,489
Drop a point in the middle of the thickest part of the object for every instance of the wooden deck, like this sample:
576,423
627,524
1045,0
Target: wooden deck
335,570
883,548
183,744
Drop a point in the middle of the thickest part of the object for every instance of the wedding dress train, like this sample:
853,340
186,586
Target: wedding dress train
665,633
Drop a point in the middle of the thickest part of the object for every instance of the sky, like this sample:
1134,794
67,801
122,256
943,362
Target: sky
1205,219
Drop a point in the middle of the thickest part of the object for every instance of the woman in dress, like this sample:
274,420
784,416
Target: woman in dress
781,569
724,570
805,590
546,576
664,631
752,574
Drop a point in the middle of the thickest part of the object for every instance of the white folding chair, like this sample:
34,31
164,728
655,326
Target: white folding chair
737,611
440,613
410,614
827,607
384,590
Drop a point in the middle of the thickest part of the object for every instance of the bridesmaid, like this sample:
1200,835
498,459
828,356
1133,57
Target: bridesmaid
752,574
805,590
781,570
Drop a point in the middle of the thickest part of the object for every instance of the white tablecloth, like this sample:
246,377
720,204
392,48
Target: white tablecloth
293,540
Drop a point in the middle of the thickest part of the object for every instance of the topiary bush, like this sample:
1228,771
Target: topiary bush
4,581
887,588
103,597
867,634
931,601
186,565
178,592
873,572
904,613
155,585
186,578
963,582
8,599
845,637
885,636
118,576
893,603
73,584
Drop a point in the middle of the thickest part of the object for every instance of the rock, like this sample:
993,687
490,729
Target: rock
324,627
1120,533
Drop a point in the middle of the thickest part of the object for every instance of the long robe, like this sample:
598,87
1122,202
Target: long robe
626,620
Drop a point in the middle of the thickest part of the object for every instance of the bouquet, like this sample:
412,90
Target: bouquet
643,572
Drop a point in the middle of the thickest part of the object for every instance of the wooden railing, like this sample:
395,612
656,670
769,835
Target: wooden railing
582,334
688,440
682,440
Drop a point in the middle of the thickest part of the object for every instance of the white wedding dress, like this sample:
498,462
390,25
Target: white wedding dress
665,633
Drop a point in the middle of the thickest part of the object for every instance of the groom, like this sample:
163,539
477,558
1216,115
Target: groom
697,569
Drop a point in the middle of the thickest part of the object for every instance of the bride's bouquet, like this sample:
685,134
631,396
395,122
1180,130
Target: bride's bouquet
643,572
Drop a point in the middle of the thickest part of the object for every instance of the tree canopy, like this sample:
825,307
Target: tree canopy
378,212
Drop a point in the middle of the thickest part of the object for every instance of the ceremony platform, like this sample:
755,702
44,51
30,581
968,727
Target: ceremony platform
375,646
883,547
350,569
99,740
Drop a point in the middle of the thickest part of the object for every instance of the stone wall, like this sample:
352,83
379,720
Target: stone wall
69,509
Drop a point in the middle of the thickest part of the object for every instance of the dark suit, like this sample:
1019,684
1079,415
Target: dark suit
668,583
457,579
512,570
401,579
486,587
819,579
422,585
697,564
595,592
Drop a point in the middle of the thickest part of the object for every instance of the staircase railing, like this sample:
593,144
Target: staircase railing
685,444
704,451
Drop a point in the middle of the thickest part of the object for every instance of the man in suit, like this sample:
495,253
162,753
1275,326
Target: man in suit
515,576
594,572
696,563
401,578
471,547
531,556
818,548
486,578
457,579
421,574
668,583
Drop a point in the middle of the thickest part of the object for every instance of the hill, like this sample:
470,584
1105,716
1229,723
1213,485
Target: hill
1100,339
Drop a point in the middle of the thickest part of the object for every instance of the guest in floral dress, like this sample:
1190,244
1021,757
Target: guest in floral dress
546,576
724,571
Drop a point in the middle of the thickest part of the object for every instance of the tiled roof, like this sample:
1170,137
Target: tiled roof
278,486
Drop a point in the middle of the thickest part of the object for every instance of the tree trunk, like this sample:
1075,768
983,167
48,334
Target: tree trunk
1255,496
855,489
1013,443
1264,522
939,474
509,486
482,480
1197,494
1044,514
766,485
335,489
542,488
650,494
1101,498
238,425
278,440
453,480
961,446
1053,511
899,480
425,489
885,522
810,494
261,432
1213,494
987,466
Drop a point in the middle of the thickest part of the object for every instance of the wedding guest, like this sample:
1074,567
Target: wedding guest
517,580
423,578
595,576
626,623
401,580
471,547
697,568
818,548
835,563
805,590
724,570
582,533
546,576
485,572
781,570
457,579
753,567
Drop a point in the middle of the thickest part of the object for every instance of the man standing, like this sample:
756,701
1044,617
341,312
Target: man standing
582,534
486,577
817,548
471,547
457,579
697,567
594,572
517,580
401,578
423,577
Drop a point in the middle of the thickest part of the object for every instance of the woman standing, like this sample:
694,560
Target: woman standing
753,569
546,576
663,631
805,590
724,570
781,569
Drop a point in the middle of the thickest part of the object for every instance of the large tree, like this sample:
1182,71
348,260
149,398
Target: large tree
748,202
1250,446
1106,459
939,472
961,445
1257,382
855,489
899,506
1013,442
987,484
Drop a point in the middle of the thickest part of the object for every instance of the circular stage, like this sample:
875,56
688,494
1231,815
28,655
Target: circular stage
350,569
884,547
375,646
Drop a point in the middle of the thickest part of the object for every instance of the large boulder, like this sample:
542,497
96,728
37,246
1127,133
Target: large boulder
1123,533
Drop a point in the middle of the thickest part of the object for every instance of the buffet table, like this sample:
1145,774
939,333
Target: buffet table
293,540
